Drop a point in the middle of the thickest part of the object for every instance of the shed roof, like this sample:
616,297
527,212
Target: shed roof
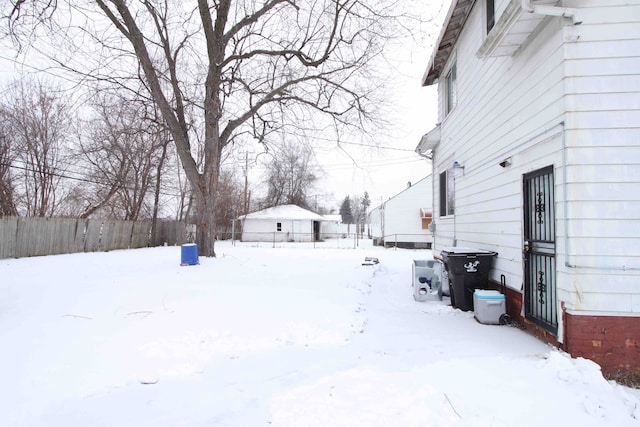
290,212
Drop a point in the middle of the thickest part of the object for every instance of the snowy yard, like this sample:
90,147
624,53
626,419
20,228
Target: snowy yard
262,336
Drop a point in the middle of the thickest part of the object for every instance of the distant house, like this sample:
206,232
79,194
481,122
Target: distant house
537,157
332,227
403,220
375,220
285,223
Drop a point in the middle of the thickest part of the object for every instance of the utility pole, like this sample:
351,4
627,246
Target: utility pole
246,180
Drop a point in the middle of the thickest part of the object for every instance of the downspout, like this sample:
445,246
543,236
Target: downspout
565,12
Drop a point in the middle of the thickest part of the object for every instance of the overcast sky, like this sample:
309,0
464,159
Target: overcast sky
386,169
382,171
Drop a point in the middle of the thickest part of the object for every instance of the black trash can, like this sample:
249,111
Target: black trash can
468,269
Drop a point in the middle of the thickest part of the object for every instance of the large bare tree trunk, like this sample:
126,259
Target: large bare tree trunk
203,184
205,210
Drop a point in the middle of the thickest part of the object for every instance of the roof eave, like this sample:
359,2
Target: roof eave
453,24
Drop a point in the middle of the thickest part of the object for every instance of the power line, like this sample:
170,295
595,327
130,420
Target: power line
372,164
376,146
75,178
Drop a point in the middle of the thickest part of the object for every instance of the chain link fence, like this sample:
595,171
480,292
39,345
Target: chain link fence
280,239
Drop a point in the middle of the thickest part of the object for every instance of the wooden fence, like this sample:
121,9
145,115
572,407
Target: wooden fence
29,236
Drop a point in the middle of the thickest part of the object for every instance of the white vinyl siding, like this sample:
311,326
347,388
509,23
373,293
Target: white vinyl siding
505,102
587,77
603,173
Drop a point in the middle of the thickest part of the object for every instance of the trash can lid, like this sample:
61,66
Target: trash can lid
466,251
487,294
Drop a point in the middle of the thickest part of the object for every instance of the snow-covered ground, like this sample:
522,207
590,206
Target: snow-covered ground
284,336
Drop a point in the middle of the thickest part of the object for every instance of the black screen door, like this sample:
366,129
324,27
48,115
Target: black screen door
540,249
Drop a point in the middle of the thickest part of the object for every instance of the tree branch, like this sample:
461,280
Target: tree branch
134,34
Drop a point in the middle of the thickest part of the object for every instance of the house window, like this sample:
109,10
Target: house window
426,216
452,89
491,14
278,226
447,194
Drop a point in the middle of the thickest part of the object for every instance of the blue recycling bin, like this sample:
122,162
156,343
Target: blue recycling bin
189,254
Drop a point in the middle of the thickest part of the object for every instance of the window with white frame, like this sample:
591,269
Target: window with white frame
447,193
490,11
451,89
278,226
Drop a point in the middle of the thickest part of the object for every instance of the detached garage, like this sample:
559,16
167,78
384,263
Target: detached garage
286,223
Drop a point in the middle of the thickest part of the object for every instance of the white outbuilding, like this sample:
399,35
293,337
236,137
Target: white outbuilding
333,228
285,223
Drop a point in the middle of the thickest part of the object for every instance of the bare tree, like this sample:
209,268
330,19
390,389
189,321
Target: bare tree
358,207
124,155
291,173
163,136
38,121
185,197
7,201
230,201
248,67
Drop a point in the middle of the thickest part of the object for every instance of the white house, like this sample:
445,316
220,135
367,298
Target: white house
537,157
403,220
285,223
375,220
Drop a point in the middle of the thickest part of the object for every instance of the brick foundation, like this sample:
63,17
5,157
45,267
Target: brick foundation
611,341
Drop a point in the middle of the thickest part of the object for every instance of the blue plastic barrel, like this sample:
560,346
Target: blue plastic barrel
189,254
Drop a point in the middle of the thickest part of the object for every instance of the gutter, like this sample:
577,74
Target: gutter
565,12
